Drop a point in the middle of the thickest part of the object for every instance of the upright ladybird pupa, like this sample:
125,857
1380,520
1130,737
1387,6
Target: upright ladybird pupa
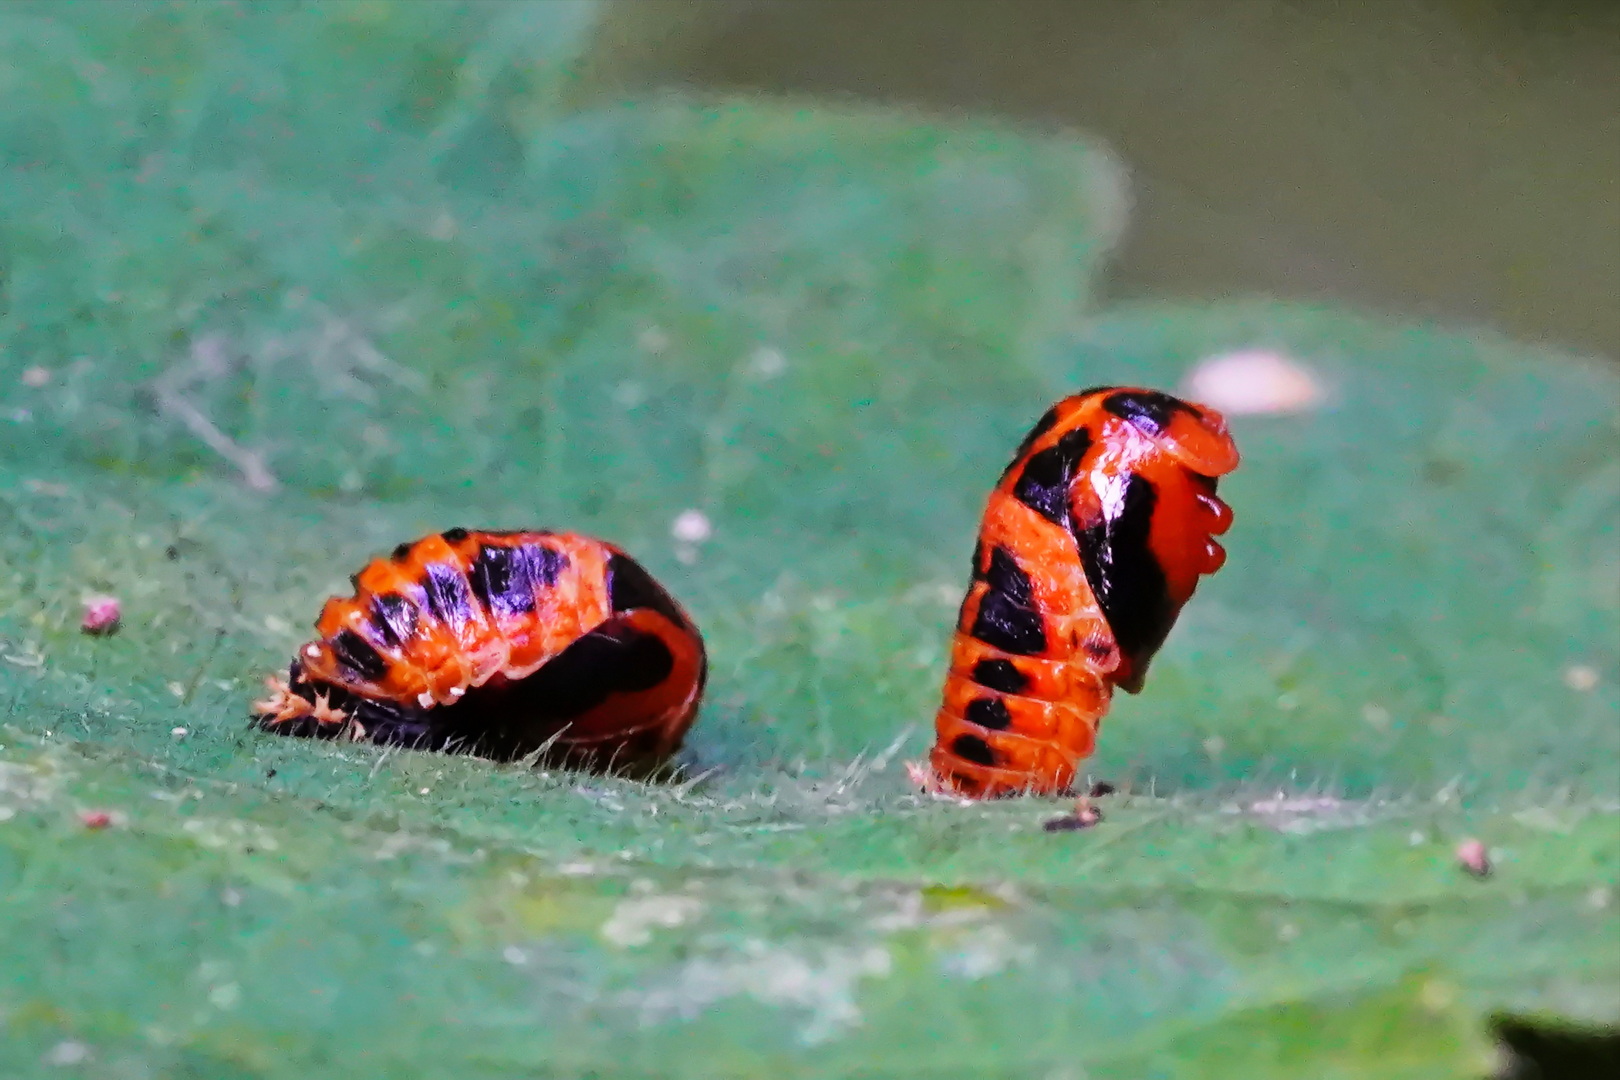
1093,539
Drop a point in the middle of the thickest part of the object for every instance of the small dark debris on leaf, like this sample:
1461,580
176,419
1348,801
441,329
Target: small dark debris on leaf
1084,816
102,615
1472,857
269,774
1101,788
181,547
95,819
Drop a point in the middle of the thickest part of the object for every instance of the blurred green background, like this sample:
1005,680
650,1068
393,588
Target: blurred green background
284,284
1436,157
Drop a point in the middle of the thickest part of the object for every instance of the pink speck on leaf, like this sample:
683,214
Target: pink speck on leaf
101,615
1472,857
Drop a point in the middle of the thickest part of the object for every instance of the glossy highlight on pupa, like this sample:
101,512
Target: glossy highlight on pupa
1092,541
502,644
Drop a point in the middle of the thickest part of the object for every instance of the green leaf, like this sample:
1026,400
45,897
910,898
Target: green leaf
368,250
1416,569
1410,1031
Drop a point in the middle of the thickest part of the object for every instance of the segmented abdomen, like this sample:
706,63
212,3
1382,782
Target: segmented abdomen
1093,539
501,643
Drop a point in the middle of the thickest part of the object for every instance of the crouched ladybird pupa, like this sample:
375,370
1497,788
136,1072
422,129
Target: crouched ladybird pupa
1093,539
502,644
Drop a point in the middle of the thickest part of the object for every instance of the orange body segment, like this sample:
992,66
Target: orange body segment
502,643
1092,540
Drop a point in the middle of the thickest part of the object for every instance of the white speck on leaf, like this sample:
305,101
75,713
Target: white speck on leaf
1297,814
766,363
1581,678
985,952
634,920
230,833
23,787
1254,382
66,1053
823,986
691,527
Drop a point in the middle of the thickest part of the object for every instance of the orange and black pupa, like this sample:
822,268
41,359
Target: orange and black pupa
1093,539
501,644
